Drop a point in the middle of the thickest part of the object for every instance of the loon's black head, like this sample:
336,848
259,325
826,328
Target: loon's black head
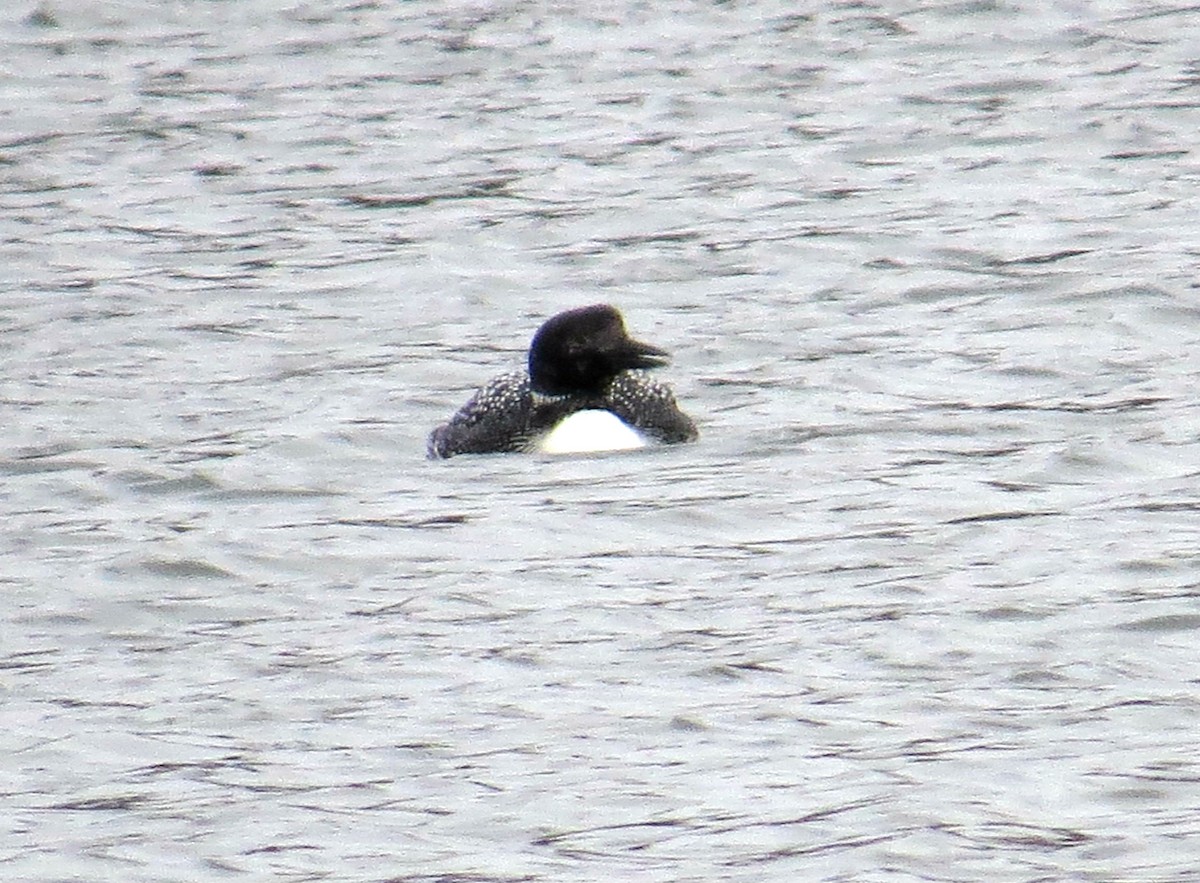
581,350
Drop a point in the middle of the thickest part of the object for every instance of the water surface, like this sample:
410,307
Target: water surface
920,605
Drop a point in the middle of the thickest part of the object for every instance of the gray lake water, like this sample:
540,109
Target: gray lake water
922,603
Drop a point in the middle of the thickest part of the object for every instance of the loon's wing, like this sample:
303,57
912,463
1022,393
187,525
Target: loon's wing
494,420
650,407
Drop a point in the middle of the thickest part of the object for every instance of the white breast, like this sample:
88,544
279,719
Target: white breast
589,432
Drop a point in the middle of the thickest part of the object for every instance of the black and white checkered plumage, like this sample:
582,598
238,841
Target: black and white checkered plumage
579,360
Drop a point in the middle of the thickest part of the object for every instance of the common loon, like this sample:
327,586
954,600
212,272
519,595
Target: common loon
579,361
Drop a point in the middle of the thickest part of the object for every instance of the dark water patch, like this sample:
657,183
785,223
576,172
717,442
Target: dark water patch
944,748
988,104
185,569
1158,566
172,768
1147,154
940,293
461,878
1074,407
738,670
231,329
1137,795
1001,86
37,140
278,849
1167,506
1176,622
396,608
642,239
1038,678
90,703
45,451
561,838
1030,372
514,656
369,365
155,485
1157,12
29,660
42,17
480,189
303,658
1014,270
1013,614
687,724
1172,772
214,447
115,803
824,848
1013,487
230,627
45,464
702,551
999,516
1047,258
995,453
423,522
54,618
1020,836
